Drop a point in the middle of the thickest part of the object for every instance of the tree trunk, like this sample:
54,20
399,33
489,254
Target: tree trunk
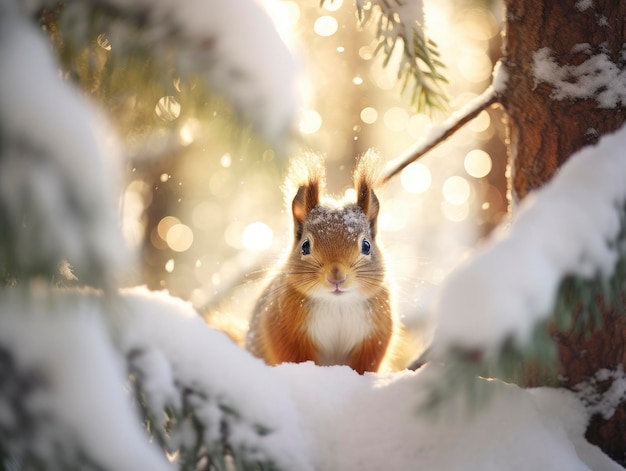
544,132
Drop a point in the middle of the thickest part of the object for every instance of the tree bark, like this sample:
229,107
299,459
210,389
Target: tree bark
544,132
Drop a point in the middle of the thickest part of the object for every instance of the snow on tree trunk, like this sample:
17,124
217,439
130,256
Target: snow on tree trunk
564,60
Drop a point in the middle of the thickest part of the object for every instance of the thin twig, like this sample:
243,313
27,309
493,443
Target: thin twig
444,131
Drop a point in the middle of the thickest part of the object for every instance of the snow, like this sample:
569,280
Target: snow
568,227
605,402
404,19
597,77
564,407
190,354
69,384
296,416
582,5
56,189
242,56
349,220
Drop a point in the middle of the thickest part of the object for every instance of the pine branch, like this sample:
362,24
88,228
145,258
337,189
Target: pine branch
419,63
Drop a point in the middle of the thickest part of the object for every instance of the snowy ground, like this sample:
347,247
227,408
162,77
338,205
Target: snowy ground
324,418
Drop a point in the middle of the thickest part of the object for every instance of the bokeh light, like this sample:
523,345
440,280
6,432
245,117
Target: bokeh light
480,123
477,163
226,160
326,25
179,237
189,131
456,190
369,115
310,121
366,53
257,236
165,225
416,178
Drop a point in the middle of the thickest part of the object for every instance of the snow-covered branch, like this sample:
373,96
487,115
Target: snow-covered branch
570,227
57,195
239,56
207,382
439,133
62,400
403,22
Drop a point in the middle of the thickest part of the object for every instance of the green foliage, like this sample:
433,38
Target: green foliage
181,432
419,66
128,67
580,303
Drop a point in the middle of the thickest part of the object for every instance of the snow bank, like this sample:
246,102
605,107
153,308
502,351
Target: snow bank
330,418
67,379
564,408
568,227
374,422
62,397
177,351
57,197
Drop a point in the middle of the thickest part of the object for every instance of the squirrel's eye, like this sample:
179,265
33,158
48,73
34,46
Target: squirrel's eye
305,249
366,247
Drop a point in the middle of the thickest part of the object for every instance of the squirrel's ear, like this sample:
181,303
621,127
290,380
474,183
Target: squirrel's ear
307,197
368,202
307,179
366,177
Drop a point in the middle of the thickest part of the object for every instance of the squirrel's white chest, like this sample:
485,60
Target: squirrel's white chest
337,326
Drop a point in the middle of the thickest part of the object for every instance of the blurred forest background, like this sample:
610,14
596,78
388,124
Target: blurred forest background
203,204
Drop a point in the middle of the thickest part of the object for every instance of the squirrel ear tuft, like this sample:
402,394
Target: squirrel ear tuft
305,200
307,179
368,202
366,177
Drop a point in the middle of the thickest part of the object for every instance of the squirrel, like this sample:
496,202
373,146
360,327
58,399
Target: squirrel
329,302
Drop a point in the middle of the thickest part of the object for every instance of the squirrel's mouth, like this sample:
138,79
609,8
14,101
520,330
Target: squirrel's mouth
337,290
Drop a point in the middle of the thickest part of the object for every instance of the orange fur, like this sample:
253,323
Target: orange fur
330,302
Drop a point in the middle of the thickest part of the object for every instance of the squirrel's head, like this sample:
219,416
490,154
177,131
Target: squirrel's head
335,250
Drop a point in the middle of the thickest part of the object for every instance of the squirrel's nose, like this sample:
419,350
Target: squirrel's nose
335,281
336,276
